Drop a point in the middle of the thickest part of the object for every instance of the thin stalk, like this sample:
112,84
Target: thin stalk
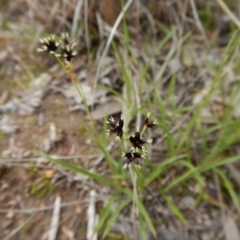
68,69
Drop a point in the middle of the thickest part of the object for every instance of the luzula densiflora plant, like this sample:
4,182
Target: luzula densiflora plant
63,48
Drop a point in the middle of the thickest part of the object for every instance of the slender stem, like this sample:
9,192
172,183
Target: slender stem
143,130
135,192
81,93
68,69
228,12
61,63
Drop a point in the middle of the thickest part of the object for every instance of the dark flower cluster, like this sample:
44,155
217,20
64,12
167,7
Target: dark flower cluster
132,157
148,123
67,48
49,44
116,127
63,47
136,140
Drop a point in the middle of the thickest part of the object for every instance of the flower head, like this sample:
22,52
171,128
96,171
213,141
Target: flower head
137,141
49,44
116,127
67,48
132,157
147,123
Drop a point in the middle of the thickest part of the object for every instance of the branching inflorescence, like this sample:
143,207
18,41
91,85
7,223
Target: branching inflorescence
136,140
63,48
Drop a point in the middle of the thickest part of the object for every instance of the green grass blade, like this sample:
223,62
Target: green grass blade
168,36
142,228
226,56
196,174
211,165
146,216
12,233
160,168
175,209
200,169
78,170
114,216
229,187
106,212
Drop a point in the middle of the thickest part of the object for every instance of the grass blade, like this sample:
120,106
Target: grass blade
200,169
79,170
146,216
106,212
160,168
229,187
114,216
142,228
175,209
11,234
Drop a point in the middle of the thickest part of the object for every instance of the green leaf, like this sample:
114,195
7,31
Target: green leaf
160,168
142,228
211,165
229,188
12,233
146,216
156,51
196,174
78,170
200,169
114,216
175,209
106,212
226,56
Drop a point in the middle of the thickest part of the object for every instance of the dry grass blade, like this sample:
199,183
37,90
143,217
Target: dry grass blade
76,18
228,12
199,24
114,29
231,230
33,210
11,234
52,234
92,217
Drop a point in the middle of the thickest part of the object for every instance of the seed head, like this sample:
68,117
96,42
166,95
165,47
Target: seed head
49,44
132,157
116,127
67,47
147,123
137,141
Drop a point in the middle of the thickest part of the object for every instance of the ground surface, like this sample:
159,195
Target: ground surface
41,112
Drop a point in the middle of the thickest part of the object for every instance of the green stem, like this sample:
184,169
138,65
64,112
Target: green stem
71,74
143,130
